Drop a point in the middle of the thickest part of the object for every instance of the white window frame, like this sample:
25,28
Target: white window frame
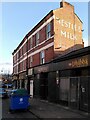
31,60
48,30
23,65
42,57
37,38
17,68
31,43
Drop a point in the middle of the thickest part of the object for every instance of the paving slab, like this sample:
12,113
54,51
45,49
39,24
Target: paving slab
45,109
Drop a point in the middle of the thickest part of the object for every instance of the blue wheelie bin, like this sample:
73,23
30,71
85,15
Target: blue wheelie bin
19,100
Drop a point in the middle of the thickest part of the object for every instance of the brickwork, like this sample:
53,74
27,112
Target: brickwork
49,54
68,29
66,36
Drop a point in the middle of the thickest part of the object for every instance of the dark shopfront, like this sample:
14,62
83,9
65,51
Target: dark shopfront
73,79
15,78
18,81
65,80
21,80
41,81
74,89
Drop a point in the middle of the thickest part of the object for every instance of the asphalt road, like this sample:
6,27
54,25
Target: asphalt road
16,114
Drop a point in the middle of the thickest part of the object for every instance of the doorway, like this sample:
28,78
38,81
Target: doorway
84,93
74,92
44,86
31,88
79,93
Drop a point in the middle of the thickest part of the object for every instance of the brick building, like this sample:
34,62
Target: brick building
58,33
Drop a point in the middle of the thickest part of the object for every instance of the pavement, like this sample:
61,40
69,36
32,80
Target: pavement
45,109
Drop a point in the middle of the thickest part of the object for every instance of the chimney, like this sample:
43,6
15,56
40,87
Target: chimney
66,5
62,3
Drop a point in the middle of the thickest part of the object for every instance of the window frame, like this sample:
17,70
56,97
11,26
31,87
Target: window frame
42,57
37,38
48,30
31,60
31,43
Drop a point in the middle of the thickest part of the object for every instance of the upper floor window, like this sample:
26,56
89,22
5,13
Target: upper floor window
23,65
42,57
48,30
31,42
31,60
17,69
37,38
14,59
17,56
21,51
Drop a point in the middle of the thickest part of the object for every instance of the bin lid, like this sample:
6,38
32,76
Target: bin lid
21,92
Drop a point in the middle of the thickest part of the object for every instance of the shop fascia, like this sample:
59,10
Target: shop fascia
80,62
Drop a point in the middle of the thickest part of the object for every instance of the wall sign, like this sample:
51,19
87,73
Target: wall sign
68,25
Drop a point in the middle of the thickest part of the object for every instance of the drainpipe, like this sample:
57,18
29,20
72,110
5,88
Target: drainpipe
27,62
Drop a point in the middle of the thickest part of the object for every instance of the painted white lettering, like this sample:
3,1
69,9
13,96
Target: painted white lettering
71,36
79,29
75,27
66,24
63,33
75,37
68,35
69,24
62,22
72,26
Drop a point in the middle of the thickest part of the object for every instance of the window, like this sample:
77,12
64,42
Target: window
17,69
42,57
37,38
18,54
14,59
21,51
31,60
48,31
23,65
31,42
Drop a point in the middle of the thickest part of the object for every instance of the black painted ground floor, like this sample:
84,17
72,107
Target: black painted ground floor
70,91
73,91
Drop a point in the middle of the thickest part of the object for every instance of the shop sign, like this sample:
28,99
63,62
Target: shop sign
41,69
81,62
